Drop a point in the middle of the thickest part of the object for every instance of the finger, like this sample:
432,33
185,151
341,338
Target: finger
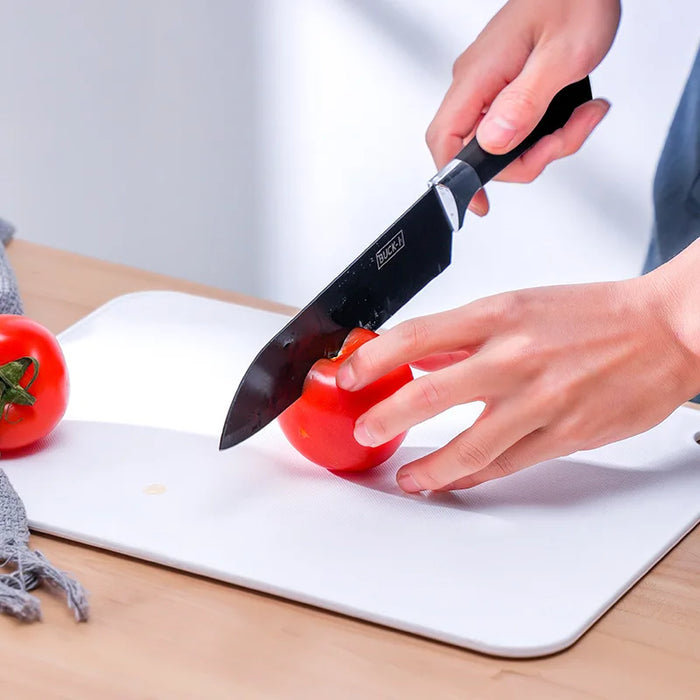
516,110
561,143
461,110
533,449
422,399
440,360
456,117
495,431
411,341
479,204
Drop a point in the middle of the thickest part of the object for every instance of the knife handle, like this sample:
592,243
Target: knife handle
487,165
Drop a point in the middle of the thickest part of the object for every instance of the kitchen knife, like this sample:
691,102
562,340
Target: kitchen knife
410,253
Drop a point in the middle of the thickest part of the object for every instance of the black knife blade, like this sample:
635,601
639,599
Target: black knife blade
411,252
415,249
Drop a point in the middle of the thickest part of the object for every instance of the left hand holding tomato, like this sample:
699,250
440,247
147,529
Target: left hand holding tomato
560,369
33,382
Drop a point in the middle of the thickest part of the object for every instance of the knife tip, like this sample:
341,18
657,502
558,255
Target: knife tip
235,433
227,440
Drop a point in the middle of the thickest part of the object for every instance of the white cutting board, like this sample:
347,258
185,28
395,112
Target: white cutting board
516,567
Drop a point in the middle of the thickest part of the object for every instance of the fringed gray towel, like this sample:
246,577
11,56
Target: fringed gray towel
31,568
10,302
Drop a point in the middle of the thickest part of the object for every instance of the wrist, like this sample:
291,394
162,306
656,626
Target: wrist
674,290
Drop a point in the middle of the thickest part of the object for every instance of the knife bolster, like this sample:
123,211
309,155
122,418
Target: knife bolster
455,185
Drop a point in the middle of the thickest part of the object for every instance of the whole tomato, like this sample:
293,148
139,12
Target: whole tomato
33,382
320,423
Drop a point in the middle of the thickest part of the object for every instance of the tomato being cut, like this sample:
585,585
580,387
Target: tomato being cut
320,423
33,382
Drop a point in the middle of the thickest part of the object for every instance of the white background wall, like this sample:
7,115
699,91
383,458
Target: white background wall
127,131
259,146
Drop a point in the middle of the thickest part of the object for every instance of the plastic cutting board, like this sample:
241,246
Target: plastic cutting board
517,567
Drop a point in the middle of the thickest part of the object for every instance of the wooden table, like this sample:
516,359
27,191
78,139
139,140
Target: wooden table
159,633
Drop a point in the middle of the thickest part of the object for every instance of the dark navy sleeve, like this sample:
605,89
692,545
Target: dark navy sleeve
677,180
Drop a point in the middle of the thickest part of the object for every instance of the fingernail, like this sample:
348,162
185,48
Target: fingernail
478,209
363,436
495,132
407,483
345,378
604,107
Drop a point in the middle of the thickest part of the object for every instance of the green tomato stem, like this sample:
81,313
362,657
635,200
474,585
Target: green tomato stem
10,390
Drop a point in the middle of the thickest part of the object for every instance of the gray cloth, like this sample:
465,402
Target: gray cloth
32,569
10,302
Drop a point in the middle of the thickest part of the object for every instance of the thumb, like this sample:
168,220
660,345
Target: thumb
517,109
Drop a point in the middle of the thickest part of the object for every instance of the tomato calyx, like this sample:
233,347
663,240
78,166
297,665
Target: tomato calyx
10,390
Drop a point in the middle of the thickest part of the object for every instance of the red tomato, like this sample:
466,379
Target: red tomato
320,423
33,382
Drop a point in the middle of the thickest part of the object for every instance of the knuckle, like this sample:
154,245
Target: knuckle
581,57
503,465
522,348
504,309
564,442
549,398
560,146
566,141
579,52
513,365
530,174
414,335
570,149
526,357
363,362
521,101
485,310
431,136
377,425
461,63
470,454
432,396
429,481
576,431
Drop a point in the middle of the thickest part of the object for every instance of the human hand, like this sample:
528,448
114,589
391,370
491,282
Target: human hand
503,83
560,369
